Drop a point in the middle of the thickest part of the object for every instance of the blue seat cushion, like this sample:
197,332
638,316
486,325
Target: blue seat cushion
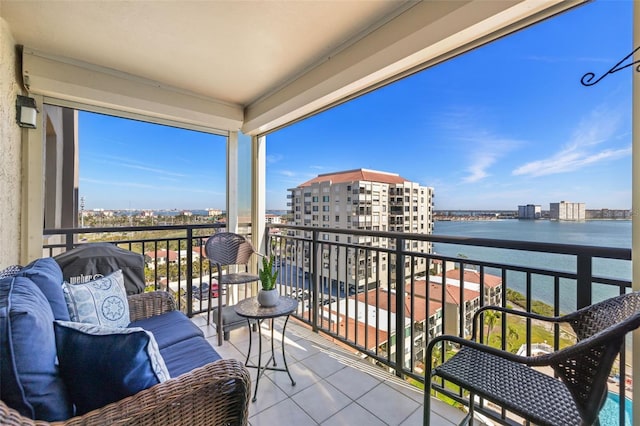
47,275
186,355
169,328
31,383
102,365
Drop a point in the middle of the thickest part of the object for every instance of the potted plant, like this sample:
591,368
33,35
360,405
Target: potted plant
268,296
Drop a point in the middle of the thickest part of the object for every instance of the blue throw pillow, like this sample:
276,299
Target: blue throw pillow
30,382
101,302
47,275
101,365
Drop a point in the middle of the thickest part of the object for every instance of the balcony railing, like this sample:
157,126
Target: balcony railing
352,291
174,255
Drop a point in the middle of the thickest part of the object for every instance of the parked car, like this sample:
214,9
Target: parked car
215,292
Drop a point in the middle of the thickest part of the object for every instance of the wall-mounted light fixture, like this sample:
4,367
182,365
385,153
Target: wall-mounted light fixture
27,112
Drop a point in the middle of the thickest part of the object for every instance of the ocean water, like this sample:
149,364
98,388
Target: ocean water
603,233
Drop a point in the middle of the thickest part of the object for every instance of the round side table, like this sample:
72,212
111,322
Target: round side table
250,309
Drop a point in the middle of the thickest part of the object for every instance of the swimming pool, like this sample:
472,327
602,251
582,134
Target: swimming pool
609,413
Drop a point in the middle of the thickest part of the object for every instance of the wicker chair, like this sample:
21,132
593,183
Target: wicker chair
509,381
228,249
215,394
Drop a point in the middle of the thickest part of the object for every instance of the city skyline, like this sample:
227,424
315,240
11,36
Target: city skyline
504,125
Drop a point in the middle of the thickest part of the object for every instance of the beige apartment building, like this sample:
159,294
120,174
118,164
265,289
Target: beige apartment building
361,200
565,210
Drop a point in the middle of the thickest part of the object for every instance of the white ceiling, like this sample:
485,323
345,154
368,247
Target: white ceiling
272,61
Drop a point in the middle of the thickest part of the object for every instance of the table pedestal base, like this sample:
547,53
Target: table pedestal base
271,363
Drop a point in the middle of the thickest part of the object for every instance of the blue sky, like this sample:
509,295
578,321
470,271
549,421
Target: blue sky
506,124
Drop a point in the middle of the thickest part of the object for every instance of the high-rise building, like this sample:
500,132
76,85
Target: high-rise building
364,200
565,210
530,211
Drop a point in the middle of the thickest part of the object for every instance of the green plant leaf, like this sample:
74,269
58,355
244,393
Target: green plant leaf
268,275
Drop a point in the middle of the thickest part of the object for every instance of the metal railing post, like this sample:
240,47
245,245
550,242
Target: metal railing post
399,307
189,255
583,288
314,281
69,239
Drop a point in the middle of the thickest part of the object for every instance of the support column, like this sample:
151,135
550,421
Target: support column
232,182
258,192
32,217
69,207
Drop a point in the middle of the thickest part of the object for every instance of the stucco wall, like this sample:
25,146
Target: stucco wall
10,152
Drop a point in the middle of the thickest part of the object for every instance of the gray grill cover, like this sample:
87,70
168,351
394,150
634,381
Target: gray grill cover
94,260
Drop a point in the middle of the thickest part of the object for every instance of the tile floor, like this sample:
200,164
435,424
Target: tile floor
333,386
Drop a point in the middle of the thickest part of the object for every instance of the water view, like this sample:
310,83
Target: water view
601,233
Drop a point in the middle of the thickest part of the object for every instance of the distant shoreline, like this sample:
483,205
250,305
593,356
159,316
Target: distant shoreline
491,218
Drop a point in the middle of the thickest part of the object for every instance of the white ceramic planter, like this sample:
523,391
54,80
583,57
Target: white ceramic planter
268,298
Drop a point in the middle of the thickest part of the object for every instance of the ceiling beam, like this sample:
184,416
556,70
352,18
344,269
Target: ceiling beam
72,81
424,35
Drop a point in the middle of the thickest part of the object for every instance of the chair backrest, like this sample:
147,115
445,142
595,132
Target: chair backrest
227,248
597,317
585,372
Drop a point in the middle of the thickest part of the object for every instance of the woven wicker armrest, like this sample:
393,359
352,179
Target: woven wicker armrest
582,367
145,305
216,394
607,337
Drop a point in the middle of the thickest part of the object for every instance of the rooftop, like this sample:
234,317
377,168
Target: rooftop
357,175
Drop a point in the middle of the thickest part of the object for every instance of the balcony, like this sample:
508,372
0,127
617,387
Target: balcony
362,46
334,386
347,316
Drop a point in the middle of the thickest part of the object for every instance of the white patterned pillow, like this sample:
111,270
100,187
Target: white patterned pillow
10,271
102,301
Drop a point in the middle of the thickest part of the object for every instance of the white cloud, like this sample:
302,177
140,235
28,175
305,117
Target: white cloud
287,173
567,161
155,188
478,170
581,150
128,163
274,158
486,151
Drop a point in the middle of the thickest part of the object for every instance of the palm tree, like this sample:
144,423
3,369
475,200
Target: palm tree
490,317
512,337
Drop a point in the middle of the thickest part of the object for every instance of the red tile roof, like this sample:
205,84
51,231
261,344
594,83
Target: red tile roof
452,292
366,336
472,276
384,298
356,176
171,255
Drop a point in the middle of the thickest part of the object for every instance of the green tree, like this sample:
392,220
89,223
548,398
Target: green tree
512,338
490,318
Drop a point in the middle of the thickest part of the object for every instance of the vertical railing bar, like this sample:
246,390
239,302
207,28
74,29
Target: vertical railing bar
412,287
399,364
528,322
189,272
584,284
314,278
461,306
556,312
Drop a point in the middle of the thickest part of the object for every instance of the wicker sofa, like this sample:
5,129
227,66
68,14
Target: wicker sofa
207,393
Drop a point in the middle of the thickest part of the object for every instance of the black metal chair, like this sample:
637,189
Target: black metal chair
228,249
508,380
